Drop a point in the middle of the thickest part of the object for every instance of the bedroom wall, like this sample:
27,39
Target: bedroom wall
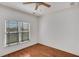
60,30
11,14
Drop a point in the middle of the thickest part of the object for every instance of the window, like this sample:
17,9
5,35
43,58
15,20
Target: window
16,32
25,32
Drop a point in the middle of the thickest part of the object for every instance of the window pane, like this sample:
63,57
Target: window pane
12,38
25,27
25,36
20,26
12,26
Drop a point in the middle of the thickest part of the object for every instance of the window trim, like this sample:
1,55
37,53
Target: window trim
18,33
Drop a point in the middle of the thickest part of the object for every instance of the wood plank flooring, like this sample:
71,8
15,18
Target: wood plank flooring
40,50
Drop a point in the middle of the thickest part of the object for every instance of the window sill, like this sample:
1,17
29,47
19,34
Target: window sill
13,44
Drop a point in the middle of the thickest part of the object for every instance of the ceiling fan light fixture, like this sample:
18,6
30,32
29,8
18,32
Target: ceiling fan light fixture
34,12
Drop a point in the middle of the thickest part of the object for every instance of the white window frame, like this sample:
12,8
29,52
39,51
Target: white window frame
19,42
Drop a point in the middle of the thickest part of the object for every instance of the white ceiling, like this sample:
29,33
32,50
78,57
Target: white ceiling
29,8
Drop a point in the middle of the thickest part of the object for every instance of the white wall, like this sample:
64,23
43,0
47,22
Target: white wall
61,30
9,14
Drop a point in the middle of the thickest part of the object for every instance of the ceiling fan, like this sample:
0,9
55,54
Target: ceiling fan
37,4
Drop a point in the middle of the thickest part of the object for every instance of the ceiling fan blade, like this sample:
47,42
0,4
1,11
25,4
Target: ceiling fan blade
28,2
37,5
45,4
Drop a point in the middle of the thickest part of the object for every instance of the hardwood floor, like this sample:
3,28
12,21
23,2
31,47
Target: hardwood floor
40,50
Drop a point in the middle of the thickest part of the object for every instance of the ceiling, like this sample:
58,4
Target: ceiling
42,10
